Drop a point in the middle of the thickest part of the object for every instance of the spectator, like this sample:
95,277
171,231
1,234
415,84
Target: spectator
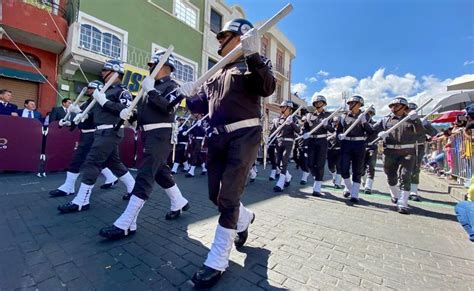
448,149
30,111
58,113
7,108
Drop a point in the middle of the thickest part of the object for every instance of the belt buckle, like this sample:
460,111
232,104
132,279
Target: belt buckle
215,131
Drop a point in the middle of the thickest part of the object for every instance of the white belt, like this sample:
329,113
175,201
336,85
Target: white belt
236,125
147,127
242,124
356,138
288,139
185,143
199,137
400,146
87,130
319,136
106,126
335,148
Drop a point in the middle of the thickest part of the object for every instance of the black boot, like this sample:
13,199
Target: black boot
71,207
114,233
109,185
58,193
346,194
368,191
394,200
175,214
277,189
316,194
126,196
302,182
188,175
354,200
271,179
287,183
414,197
402,210
206,277
242,236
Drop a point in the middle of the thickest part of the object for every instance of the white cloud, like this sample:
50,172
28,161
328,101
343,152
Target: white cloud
379,88
323,73
467,63
299,87
311,79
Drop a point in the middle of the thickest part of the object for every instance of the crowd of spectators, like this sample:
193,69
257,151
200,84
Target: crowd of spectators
29,108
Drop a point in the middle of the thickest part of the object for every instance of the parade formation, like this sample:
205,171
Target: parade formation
214,127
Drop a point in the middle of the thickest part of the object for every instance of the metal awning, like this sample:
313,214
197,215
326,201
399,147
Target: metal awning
465,82
22,75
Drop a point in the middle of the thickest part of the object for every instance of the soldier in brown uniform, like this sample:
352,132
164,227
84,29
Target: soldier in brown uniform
399,150
232,98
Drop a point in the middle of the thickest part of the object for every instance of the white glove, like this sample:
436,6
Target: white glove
79,117
325,122
198,123
413,115
74,108
99,97
187,89
64,122
185,133
250,42
306,135
288,121
125,114
341,136
148,84
425,122
382,134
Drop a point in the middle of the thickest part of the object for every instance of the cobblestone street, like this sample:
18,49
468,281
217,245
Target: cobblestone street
297,241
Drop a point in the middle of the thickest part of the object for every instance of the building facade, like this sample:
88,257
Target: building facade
28,61
131,31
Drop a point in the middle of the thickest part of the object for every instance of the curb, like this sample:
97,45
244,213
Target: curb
453,189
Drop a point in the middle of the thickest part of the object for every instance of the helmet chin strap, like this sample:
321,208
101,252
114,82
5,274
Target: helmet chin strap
219,52
105,77
396,111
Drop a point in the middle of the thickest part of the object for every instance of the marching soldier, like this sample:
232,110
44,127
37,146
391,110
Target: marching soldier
334,156
86,139
232,99
196,135
302,154
180,155
105,147
271,151
155,118
317,141
429,130
399,149
285,139
353,146
370,156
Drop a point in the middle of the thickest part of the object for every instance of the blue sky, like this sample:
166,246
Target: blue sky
378,47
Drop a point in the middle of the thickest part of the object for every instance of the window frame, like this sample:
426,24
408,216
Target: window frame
104,28
210,20
180,59
191,6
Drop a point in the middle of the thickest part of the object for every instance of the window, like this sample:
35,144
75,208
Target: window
104,43
279,97
210,63
264,47
216,21
185,69
279,60
185,12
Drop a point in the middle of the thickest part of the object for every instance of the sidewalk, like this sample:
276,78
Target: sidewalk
297,241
